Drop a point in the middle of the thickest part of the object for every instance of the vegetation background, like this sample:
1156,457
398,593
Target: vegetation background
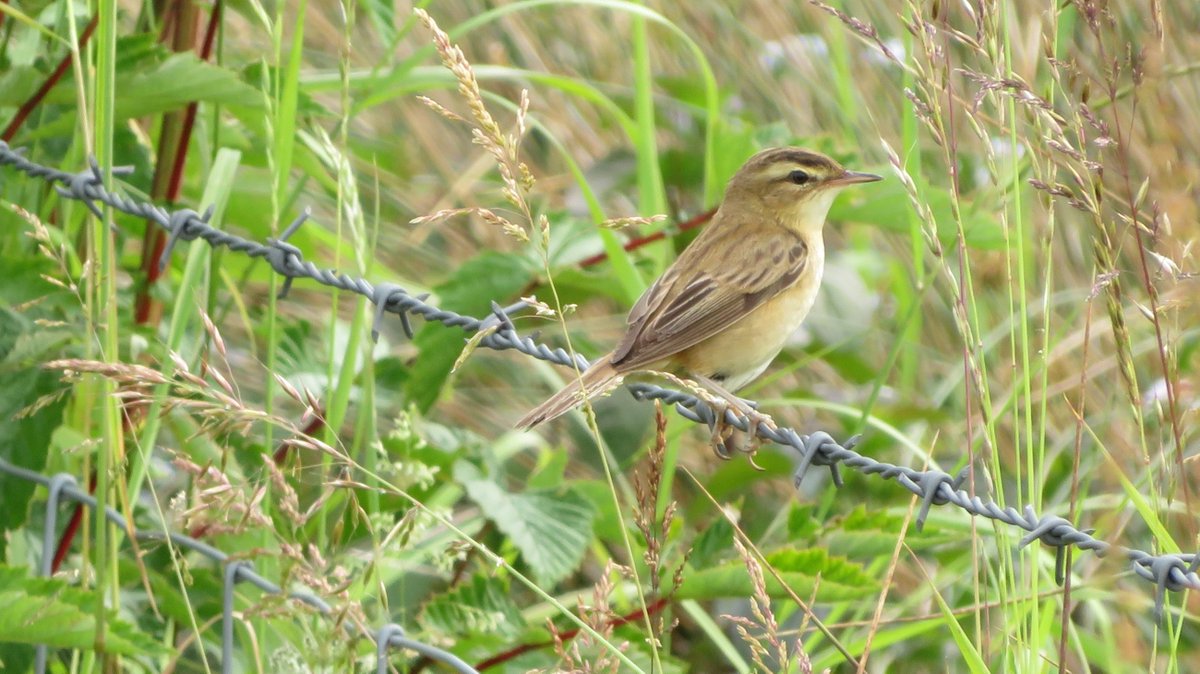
1016,298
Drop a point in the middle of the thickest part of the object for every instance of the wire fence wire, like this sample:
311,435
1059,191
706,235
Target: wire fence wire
1167,572
63,487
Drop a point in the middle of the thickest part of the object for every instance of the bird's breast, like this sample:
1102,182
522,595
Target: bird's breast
738,354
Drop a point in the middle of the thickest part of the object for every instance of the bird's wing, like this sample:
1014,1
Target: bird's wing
701,294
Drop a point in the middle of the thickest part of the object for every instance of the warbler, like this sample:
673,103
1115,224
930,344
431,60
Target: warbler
723,310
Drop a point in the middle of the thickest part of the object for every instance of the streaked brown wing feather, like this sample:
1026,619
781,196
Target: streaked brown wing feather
700,295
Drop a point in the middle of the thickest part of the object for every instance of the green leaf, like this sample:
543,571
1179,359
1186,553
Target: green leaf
713,544
607,522
550,471
861,543
802,525
868,534
151,86
181,79
48,611
550,527
652,199
25,438
576,286
268,75
840,579
203,589
880,205
1143,505
482,606
490,276
730,479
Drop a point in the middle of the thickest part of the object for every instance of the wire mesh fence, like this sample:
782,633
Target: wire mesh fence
63,488
1166,572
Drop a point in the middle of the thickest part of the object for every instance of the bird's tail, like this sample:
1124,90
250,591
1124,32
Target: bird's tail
596,379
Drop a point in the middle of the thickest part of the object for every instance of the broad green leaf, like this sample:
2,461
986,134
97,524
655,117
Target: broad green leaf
840,579
25,437
867,534
150,88
802,525
50,612
181,79
550,527
576,286
607,522
482,605
550,471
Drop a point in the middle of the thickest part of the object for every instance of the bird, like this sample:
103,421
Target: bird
723,310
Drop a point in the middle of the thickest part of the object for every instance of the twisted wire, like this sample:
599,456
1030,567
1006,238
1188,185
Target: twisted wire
1168,572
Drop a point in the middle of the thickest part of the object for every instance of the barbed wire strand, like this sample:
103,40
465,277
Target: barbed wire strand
1168,572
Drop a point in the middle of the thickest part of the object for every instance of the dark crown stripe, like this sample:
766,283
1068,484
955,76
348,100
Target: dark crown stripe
790,155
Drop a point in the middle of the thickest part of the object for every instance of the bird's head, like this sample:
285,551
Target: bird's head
793,185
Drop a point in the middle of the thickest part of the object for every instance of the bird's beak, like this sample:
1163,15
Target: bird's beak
853,178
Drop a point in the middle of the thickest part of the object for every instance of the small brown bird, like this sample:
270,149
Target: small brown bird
722,311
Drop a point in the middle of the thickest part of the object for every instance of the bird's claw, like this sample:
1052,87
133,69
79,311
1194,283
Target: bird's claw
723,431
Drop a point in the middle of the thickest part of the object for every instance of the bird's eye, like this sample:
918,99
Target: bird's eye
799,177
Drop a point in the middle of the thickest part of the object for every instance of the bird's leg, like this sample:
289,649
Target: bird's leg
742,406
722,430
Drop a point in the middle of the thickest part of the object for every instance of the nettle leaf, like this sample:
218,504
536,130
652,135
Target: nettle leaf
551,528
867,534
471,290
482,606
861,543
801,524
181,79
840,579
48,611
148,85
29,410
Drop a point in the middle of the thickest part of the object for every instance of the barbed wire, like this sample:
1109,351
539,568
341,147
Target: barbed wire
63,487
1168,572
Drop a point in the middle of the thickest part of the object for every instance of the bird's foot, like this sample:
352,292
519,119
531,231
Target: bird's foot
725,408
728,439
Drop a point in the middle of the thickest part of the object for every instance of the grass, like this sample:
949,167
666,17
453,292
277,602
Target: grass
1015,299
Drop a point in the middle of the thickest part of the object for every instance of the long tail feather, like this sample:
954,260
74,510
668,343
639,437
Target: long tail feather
595,380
